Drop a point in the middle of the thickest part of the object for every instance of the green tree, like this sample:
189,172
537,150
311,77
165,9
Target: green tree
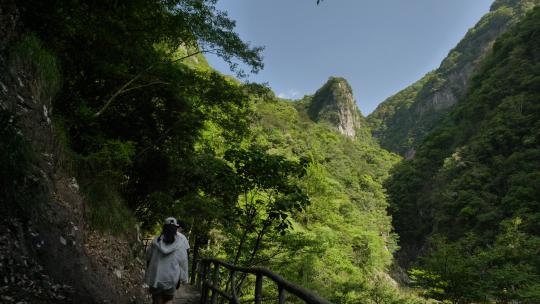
268,196
133,102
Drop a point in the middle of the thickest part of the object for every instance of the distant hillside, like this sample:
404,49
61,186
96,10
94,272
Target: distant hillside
469,200
402,121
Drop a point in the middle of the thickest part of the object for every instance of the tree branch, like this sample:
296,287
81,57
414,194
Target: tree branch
123,89
193,54
145,85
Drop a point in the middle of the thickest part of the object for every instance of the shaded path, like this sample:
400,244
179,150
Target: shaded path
186,294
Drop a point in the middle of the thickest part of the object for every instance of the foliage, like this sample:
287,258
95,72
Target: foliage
134,100
101,175
462,272
341,242
268,196
395,108
343,239
473,185
113,29
30,56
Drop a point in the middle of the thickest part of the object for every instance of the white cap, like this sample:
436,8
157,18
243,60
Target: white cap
171,220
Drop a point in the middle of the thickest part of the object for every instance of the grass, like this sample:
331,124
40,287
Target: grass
28,55
107,209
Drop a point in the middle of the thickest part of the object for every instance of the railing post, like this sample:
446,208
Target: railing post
195,260
205,289
281,294
215,283
199,274
234,296
258,288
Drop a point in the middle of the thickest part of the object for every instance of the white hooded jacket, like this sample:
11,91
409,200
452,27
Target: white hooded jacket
168,264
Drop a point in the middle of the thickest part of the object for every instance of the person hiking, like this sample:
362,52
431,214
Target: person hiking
166,263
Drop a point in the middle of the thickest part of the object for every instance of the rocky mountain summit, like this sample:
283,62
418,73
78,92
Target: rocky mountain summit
335,104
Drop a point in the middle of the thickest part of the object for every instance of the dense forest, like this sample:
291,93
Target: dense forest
468,201
308,188
342,244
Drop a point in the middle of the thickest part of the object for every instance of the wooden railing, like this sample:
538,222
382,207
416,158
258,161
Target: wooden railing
216,288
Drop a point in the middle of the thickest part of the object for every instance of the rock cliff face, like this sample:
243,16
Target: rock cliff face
402,121
48,251
334,103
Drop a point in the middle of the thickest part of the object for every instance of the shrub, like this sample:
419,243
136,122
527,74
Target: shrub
29,56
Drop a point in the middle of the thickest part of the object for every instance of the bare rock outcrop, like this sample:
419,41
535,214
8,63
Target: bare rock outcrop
335,104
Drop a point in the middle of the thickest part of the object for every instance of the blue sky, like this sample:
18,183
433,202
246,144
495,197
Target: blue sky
379,46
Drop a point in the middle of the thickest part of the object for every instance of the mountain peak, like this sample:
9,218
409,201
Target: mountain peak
520,5
334,103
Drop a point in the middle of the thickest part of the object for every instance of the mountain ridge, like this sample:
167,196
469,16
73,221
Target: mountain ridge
466,207
402,121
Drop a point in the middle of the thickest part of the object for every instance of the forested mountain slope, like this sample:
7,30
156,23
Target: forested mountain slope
342,245
469,201
402,121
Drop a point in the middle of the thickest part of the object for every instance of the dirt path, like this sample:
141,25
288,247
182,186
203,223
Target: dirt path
186,294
